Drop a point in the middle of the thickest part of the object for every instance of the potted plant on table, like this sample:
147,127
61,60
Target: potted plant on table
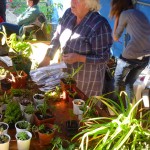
69,82
28,112
17,94
43,114
3,128
71,125
4,141
122,131
23,140
12,114
46,133
22,126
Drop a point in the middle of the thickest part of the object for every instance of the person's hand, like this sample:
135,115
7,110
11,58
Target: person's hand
71,58
45,62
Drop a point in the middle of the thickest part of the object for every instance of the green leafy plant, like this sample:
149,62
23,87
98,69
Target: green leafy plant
57,143
29,109
12,113
17,92
3,138
43,108
22,136
23,125
5,98
53,95
123,131
44,129
69,79
50,10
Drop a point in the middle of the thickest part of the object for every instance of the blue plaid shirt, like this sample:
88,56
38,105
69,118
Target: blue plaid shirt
92,38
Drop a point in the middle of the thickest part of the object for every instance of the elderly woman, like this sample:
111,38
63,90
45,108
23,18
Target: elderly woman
25,18
85,38
135,55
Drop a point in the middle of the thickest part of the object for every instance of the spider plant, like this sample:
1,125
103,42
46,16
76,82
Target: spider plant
123,131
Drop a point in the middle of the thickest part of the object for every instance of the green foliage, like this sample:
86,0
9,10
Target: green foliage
53,95
29,109
57,143
123,131
12,113
70,76
43,108
51,8
17,92
22,136
3,138
23,125
5,98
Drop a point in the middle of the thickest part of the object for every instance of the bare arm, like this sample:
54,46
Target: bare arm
115,27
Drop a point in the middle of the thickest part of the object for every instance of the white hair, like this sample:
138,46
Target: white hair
93,5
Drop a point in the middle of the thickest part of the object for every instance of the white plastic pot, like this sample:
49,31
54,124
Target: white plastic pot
6,130
24,145
77,106
5,146
38,101
18,129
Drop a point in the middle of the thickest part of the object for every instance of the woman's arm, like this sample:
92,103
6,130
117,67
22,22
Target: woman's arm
115,38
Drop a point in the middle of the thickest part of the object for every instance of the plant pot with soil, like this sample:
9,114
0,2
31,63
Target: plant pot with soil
6,84
22,126
23,140
38,98
28,113
18,79
24,102
43,115
3,128
46,133
4,141
12,114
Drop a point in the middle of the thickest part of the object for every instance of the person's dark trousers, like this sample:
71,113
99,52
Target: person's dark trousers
10,28
126,73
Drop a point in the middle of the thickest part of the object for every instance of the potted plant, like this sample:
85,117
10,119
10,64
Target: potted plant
22,50
38,98
71,125
4,141
4,100
43,114
12,114
122,131
77,106
46,133
60,143
18,79
23,140
5,84
22,126
55,95
17,94
3,128
69,82
23,103
28,112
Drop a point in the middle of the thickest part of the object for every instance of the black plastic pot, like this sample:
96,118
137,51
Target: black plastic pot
72,127
5,84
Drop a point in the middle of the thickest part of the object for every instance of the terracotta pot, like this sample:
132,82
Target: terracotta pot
19,81
38,121
46,138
